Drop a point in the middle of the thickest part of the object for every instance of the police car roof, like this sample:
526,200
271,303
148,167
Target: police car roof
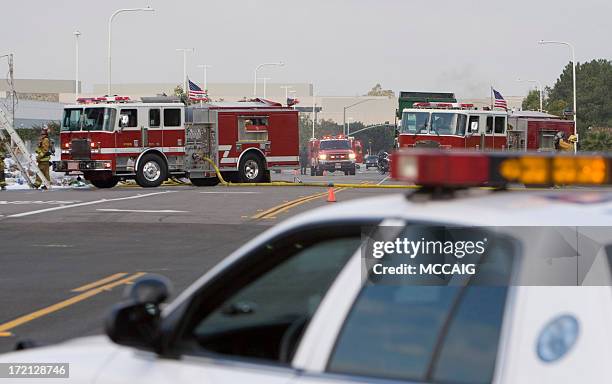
482,208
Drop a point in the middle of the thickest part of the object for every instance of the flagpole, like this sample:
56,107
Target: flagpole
491,97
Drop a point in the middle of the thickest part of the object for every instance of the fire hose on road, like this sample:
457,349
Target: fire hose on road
222,181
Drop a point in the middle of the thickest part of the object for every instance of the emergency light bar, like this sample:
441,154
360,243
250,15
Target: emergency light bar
455,169
440,105
104,99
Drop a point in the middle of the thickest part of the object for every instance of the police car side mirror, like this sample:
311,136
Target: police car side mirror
135,322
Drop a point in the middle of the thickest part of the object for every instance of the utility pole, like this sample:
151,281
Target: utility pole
77,34
185,50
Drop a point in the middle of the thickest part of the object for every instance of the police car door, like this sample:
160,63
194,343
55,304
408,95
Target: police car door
245,324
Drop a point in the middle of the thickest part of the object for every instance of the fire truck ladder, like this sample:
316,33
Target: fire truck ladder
20,155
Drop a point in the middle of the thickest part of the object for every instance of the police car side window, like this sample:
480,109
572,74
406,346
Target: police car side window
420,328
406,333
266,304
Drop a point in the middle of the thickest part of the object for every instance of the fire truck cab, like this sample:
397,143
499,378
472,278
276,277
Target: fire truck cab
331,153
108,139
452,125
461,126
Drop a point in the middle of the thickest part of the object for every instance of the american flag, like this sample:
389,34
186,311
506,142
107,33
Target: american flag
196,93
500,102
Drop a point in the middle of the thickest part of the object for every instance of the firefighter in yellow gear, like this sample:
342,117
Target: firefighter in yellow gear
43,157
565,145
2,175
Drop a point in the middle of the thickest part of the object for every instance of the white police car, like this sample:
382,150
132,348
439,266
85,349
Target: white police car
296,306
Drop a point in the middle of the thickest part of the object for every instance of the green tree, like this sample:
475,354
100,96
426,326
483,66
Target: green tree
594,82
180,93
597,139
532,101
377,90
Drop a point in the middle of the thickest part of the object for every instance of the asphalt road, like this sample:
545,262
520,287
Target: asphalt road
67,255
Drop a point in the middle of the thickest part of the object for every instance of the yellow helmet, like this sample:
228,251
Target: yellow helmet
572,138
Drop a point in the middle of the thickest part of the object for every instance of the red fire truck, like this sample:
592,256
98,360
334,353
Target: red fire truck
108,139
331,153
460,125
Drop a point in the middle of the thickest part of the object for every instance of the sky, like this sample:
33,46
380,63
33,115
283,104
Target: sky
344,47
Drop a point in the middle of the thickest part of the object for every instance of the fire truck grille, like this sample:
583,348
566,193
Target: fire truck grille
80,149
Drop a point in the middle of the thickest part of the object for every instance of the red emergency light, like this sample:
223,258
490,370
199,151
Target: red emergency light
421,105
103,99
460,169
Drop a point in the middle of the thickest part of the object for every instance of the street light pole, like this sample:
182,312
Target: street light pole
573,52
348,128
286,88
314,112
539,85
204,69
265,83
347,107
279,64
110,36
77,34
185,50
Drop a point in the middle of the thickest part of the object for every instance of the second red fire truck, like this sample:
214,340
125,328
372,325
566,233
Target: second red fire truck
462,126
109,139
332,153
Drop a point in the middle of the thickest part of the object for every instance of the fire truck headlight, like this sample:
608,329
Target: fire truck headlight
323,157
408,168
352,156
107,165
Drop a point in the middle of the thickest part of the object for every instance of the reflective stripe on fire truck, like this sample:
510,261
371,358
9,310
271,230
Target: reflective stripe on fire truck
129,150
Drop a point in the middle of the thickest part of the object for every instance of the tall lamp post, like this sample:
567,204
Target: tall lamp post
348,107
265,84
348,127
77,34
185,50
260,66
110,37
204,69
571,47
286,88
539,85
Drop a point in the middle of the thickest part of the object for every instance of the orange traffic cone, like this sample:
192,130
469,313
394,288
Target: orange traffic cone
331,195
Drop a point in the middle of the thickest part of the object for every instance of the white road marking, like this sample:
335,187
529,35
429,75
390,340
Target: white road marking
39,202
225,193
140,210
382,181
30,213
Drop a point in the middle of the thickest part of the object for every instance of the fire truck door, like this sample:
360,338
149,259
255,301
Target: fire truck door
151,129
173,127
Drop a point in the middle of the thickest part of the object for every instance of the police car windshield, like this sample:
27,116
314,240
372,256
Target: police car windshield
335,144
90,119
415,122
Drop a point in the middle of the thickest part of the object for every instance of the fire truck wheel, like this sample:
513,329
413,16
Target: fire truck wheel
205,181
151,171
312,171
252,169
352,171
104,183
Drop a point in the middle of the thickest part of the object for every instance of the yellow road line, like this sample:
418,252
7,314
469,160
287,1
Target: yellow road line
66,303
99,282
270,213
5,334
